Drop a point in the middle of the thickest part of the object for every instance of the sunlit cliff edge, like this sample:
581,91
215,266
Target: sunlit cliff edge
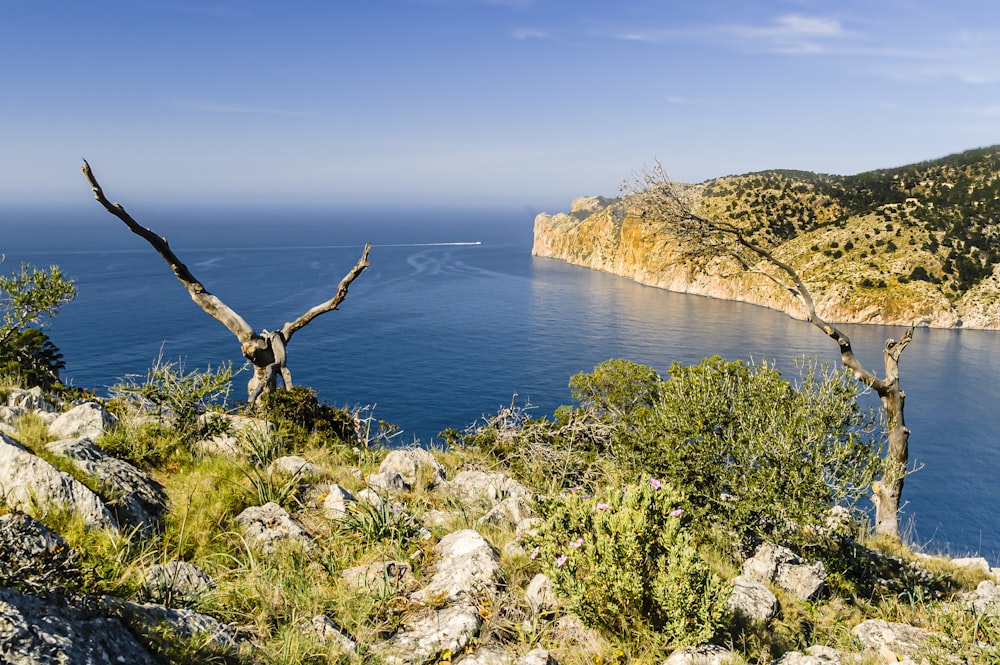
917,244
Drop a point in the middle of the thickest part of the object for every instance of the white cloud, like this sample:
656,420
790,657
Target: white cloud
790,34
530,33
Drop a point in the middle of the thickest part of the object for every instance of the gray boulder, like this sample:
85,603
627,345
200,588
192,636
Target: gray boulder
466,564
510,512
773,564
32,485
752,600
893,642
30,399
137,500
149,618
491,488
541,595
48,632
177,581
387,482
32,557
293,465
336,502
89,419
381,577
267,527
430,631
415,466
985,600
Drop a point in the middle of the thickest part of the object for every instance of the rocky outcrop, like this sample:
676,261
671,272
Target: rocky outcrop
773,564
137,500
32,557
30,484
449,597
34,631
617,236
267,527
89,419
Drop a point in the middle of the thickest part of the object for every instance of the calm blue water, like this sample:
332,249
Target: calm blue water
436,335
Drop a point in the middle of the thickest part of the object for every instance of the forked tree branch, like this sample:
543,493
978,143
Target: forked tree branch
266,350
289,329
214,307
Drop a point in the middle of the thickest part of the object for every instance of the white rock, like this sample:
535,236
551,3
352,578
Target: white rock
32,485
467,564
752,600
89,419
414,465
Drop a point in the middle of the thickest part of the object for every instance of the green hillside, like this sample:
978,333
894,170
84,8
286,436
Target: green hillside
941,214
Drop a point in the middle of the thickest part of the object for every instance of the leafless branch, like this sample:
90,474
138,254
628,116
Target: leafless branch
214,307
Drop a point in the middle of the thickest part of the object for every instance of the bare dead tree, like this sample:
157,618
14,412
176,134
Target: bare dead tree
266,350
708,238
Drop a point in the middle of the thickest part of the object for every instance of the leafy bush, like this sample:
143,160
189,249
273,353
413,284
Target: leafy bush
625,558
760,456
172,393
30,356
298,412
616,387
28,298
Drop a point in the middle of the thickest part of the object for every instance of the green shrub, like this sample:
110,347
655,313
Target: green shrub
755,454
298,413
616,387
175,395
29,356
625,558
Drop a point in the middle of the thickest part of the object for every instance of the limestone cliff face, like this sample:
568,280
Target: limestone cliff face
614,236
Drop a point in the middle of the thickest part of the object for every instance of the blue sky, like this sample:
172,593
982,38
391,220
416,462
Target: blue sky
466,102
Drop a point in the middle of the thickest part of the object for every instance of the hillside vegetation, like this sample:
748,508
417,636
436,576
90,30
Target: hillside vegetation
918,243
711,511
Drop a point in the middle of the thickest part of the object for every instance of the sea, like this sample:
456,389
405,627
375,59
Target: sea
454,320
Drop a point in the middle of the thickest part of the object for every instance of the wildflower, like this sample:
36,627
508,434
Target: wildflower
578,488
561,561
603,506
535,553
577,543
677,513
655,484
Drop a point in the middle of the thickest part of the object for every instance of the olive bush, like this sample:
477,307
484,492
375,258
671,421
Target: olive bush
761,456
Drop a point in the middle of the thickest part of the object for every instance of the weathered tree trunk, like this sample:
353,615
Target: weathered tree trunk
887,494
265,350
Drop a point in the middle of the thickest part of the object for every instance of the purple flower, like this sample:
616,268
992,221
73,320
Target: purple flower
577,543
603,506
654,483
535,553
561,561
677,513
576,489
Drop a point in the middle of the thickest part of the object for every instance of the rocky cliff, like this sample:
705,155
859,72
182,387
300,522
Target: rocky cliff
889,247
